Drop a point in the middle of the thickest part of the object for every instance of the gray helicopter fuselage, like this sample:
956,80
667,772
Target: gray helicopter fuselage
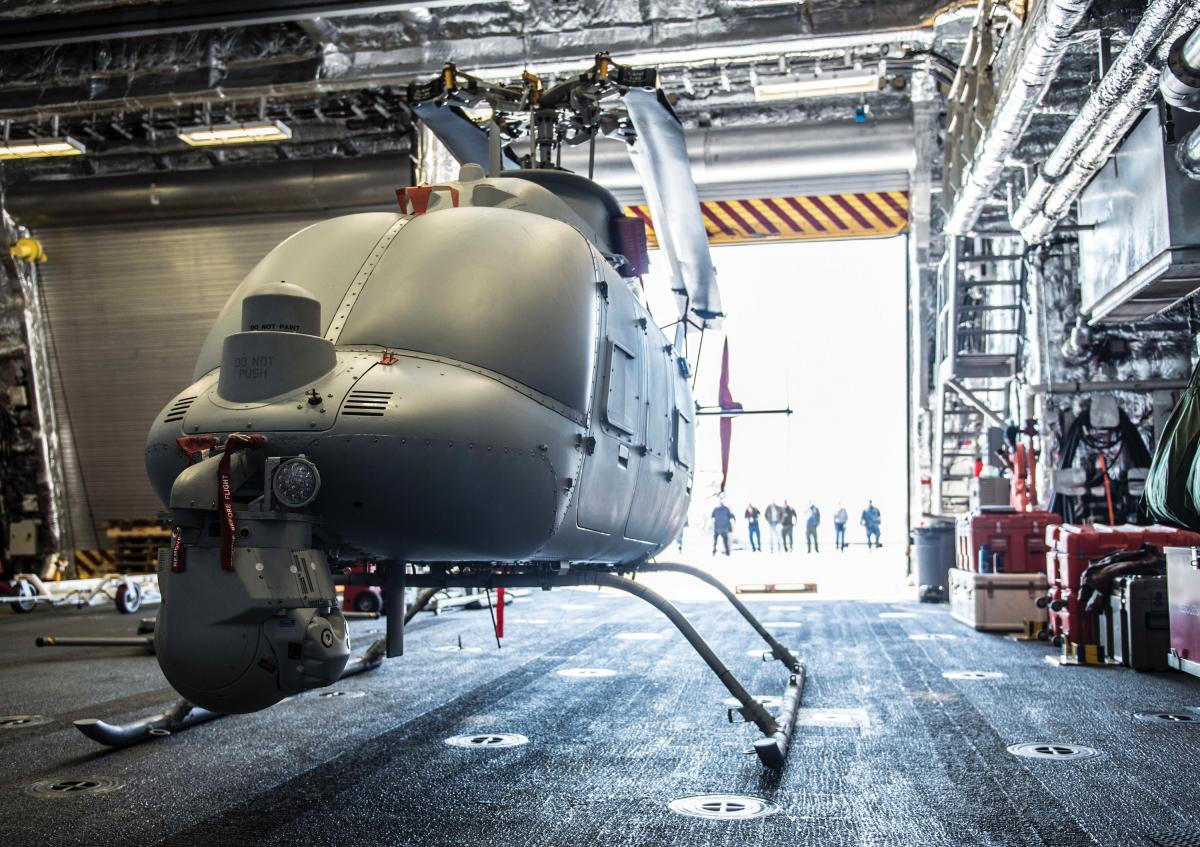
498,392
468,380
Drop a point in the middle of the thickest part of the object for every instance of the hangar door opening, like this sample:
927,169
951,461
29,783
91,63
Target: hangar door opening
820,327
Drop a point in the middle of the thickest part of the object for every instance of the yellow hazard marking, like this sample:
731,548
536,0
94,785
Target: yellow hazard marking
870,214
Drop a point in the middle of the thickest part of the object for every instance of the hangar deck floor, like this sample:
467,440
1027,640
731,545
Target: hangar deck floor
911,758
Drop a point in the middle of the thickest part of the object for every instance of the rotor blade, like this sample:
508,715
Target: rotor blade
465,140
660,158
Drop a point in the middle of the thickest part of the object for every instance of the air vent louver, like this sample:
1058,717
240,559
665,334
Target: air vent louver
179,409
367,404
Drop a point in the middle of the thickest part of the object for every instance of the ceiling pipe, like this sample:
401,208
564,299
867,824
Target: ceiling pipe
728,163
1141,386
1187,154
1180,82
1106,117
1037,66
706,54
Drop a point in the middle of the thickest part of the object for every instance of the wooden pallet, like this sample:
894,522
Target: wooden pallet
776,588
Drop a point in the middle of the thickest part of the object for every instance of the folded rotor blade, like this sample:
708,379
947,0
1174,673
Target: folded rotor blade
660,157
466,141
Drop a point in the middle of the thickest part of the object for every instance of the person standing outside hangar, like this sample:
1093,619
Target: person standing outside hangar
751,516
788,524
722,519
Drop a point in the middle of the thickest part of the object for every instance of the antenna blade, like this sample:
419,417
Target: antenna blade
660,157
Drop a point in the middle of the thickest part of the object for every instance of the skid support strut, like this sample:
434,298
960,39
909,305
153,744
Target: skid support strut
778,651
771,750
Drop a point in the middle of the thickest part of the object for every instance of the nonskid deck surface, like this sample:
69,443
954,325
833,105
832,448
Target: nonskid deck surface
888,752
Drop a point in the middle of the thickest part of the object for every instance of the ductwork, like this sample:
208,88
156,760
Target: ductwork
22,284
1187,154
1106,117
727,162
1180,82
1024,88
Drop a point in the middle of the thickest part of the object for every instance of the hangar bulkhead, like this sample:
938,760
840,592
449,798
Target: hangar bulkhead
723,422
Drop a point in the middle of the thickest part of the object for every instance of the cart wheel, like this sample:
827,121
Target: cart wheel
24,588
129,598
368,601
1043,635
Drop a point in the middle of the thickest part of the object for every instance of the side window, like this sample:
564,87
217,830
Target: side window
621,402
683,439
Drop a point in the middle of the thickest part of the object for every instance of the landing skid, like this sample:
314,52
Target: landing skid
184,714
772,749
777,731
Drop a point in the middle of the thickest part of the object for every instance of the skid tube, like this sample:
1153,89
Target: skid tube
778,651
184,714
772,749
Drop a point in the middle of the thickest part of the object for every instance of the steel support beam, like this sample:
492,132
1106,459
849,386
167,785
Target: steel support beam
973,401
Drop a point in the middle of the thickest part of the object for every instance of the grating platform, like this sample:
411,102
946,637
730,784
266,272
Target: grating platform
888,750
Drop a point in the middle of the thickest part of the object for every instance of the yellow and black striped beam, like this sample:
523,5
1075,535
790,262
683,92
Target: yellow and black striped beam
92,563
873,214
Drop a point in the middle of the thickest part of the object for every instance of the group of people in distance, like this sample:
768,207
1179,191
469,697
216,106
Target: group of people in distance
781,524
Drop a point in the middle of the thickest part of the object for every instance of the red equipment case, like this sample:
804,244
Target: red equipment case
1183,599
362,598
1072,548
1068,622
1019,536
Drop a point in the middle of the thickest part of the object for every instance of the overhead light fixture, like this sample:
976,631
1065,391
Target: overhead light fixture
244,133
855,81
40,148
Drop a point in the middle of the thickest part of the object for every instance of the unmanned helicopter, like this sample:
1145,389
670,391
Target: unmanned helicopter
483,349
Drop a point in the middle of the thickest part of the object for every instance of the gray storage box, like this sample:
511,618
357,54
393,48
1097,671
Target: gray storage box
23,538
1137,629
933,550
988,491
